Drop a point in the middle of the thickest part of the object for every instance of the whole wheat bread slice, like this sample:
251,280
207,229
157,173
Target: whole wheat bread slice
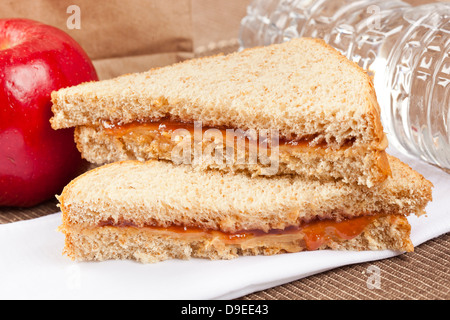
162,193
302,88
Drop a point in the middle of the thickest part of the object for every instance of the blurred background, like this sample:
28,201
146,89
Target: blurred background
136,35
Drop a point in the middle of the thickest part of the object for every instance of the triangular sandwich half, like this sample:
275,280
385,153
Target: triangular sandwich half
155,210
322,106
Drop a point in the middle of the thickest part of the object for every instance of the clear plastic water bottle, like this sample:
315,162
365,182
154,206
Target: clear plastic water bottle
406,50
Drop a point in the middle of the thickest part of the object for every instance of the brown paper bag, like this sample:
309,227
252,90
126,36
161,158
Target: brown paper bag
119,36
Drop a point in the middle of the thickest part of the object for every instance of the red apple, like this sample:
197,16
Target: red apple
35,160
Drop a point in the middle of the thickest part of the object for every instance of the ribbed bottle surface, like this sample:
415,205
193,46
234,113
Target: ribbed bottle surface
405,49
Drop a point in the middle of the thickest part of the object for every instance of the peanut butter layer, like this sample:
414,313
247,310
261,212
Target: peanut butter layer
166,127
153,244
311,236
227,149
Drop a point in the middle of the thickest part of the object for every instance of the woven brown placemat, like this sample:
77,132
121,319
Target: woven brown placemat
420,275
8,214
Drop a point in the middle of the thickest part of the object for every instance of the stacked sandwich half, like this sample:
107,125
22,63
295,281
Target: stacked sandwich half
270,150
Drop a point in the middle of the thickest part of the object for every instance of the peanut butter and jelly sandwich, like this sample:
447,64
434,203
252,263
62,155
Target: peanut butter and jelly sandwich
155,210
322,106
270,150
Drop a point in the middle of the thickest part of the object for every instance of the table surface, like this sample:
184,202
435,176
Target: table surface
422,274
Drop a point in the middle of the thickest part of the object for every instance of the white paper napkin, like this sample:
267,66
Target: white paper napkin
32,266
